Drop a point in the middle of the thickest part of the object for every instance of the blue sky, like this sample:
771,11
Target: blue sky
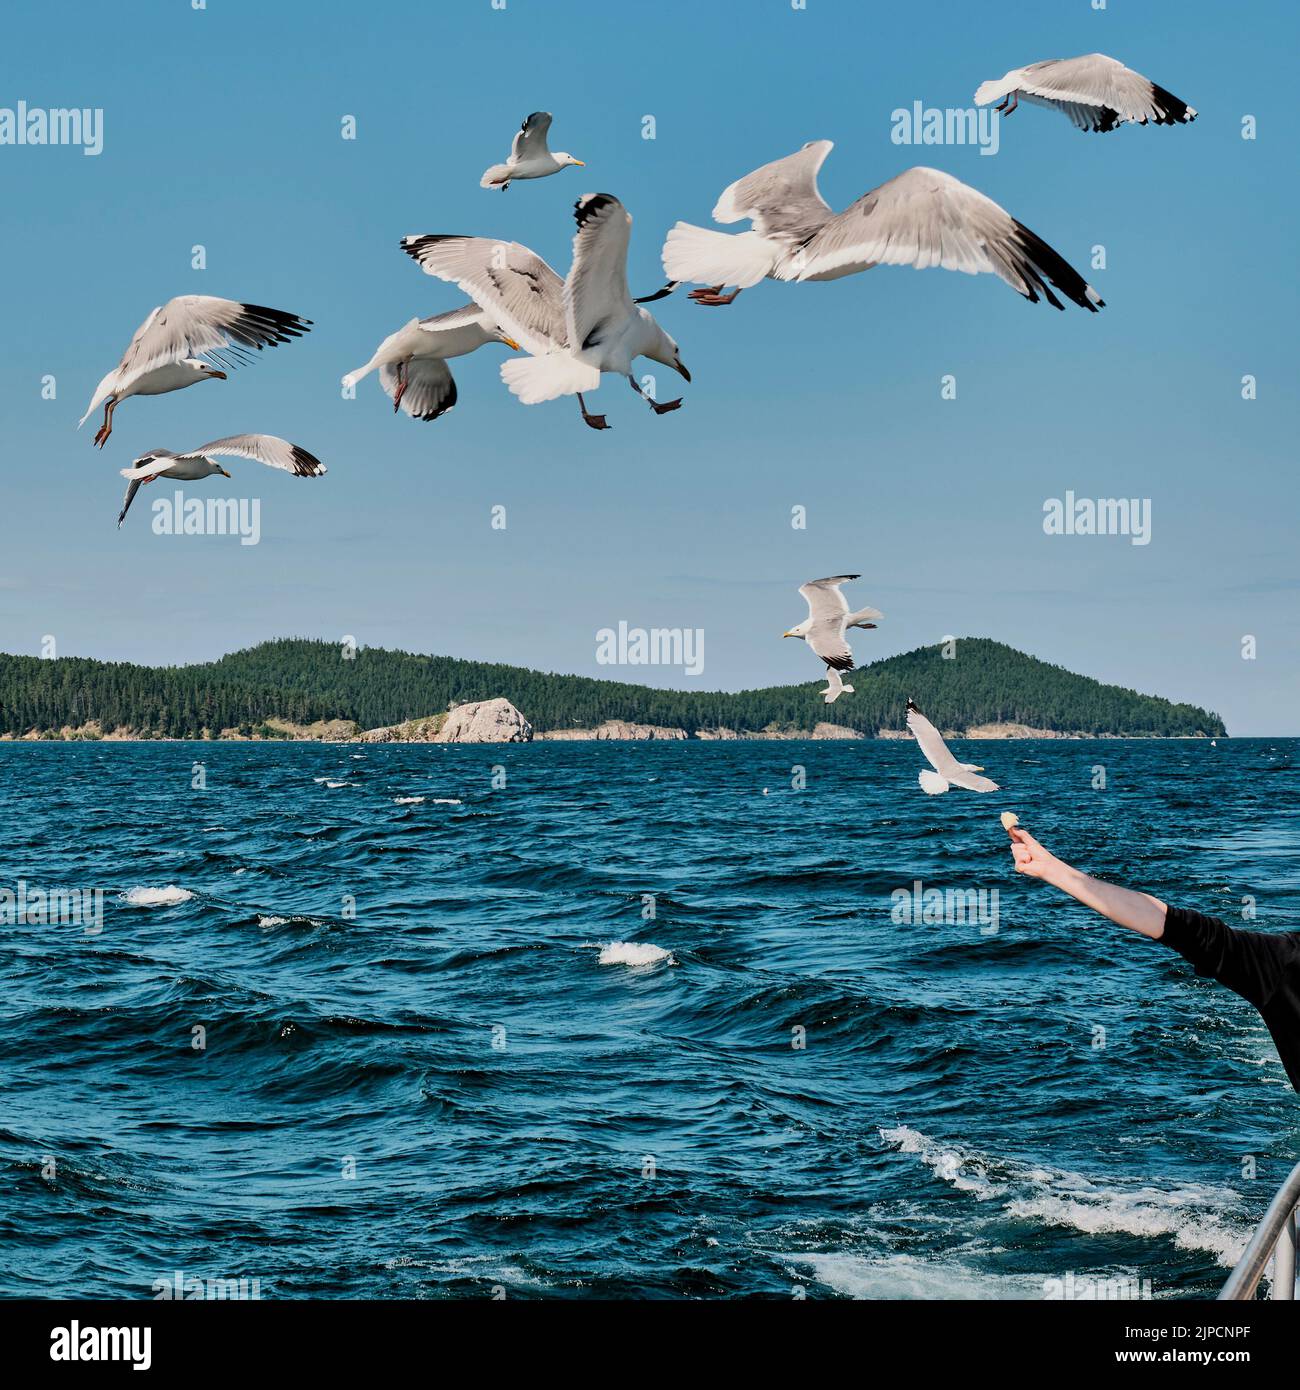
222,128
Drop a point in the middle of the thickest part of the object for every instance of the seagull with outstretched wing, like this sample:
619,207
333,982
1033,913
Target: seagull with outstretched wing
922,217
1097,93
824,629
198,463
180,341
948,772
575,328
412,363
530,156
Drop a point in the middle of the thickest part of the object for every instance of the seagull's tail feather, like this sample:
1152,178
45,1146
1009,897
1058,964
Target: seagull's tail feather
932,783
717,258
990,91
535,379
353,377
102,393
495,176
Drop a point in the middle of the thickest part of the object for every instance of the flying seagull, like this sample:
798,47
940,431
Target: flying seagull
412,362
575,328
169,348
948,772
529,156
825,626
196,464
1095,92
921,218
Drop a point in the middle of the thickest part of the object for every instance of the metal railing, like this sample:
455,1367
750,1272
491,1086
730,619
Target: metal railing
1275,1236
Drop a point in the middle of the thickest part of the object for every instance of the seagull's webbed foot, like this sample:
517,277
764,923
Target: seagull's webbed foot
659,407
401,386
1015,101
713,296
597,422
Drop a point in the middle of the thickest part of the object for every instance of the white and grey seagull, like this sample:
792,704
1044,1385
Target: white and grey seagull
412,362
948,772
824,629
922,217
530,158
1097,93
197,463
180,341
576,328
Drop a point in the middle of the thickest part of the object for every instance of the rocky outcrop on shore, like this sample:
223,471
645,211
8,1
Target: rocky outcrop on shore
616,729
821,730
479,721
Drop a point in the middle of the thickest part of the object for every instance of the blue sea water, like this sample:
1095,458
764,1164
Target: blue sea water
424,1072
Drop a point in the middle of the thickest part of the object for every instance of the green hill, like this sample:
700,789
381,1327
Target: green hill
303,680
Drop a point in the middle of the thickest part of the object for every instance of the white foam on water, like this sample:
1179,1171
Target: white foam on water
157,897
1148,1212
272,921
407,800
337,784
1195,1216
911,1276
446,801
634,953
965,1173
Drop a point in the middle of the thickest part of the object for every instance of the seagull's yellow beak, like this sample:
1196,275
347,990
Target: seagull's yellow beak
787,634
510,343
222,471
581,163
977,768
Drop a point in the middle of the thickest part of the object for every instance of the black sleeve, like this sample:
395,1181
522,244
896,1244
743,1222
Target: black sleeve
1249,962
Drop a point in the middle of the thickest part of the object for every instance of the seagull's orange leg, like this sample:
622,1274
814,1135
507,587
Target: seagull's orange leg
101,436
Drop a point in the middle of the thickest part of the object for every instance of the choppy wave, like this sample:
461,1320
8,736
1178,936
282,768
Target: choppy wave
1198,1216
621,1026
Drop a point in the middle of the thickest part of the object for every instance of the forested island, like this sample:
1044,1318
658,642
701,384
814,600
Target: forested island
294,683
